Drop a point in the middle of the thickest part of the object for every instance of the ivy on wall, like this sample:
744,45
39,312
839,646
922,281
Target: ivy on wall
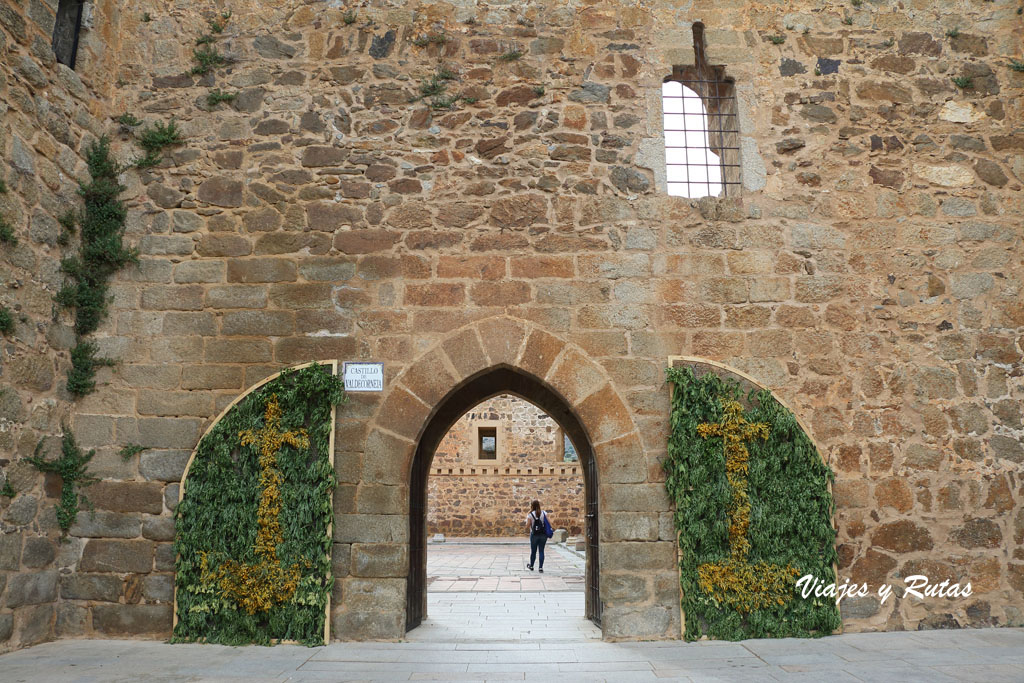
73,468
253,538
753,511
101,254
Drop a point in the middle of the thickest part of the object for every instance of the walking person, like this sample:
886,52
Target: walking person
537,523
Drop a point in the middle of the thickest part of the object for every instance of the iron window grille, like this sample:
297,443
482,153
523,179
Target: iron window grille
701,124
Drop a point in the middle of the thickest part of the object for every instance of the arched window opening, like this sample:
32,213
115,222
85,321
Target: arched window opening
701,128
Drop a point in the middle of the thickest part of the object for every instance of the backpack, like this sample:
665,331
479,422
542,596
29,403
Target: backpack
538,523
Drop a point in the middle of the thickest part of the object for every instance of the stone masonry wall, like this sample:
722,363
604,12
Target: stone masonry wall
48,116
870,272
469,497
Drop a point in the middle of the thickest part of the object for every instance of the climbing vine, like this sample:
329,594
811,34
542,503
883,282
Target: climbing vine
100,255
73,468
252,528
753,511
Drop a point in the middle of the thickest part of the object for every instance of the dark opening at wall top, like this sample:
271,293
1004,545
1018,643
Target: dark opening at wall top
65,31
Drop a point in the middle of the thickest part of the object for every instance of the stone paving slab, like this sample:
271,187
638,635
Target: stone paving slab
493,565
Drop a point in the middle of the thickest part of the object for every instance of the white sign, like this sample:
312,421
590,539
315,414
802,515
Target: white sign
363,376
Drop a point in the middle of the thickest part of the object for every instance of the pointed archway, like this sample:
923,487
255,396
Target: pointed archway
500,379
382,597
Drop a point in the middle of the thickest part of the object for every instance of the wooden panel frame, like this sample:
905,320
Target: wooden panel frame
672,360
333,364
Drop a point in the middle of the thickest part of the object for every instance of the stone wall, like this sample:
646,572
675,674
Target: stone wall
470,497
869,273
48,116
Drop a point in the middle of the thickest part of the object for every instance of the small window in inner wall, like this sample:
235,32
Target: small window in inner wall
65,31
569,453
701,128
487,442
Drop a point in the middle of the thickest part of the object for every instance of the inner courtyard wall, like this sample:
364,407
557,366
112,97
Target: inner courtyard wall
870,272
468,496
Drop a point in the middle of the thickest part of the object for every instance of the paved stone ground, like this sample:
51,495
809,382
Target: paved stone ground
988,656
487,565
523,634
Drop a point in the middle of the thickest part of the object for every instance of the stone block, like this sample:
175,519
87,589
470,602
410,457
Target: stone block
221,191
127,496
32,589
630,526
371,529
259,323
380,560
637,556
902,537
386,459
117,556
635,498
103,587
173,298
382,500
348,624
653,622
132,620
501,338
174,403
429,378
978,533
236,351
22,510
606,417
261,270
158,528
405,413
373,594
163,465
164,557
158,587
540,353
236,296
575,377
303,349
625,588
466,353
34,624
10,551
72,620
39,552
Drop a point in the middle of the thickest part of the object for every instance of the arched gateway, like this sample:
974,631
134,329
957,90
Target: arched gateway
504,355
489,383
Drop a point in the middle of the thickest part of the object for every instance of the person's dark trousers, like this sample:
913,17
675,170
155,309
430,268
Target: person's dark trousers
537,542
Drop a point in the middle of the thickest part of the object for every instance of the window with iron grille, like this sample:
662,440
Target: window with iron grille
702,155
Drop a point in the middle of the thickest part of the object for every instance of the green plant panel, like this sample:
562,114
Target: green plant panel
253,541
746,536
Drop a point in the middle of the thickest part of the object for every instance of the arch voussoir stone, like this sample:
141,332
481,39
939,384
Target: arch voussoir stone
465,352
429,379
403,412
386,458
502,338
575,376
605,415
540,352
